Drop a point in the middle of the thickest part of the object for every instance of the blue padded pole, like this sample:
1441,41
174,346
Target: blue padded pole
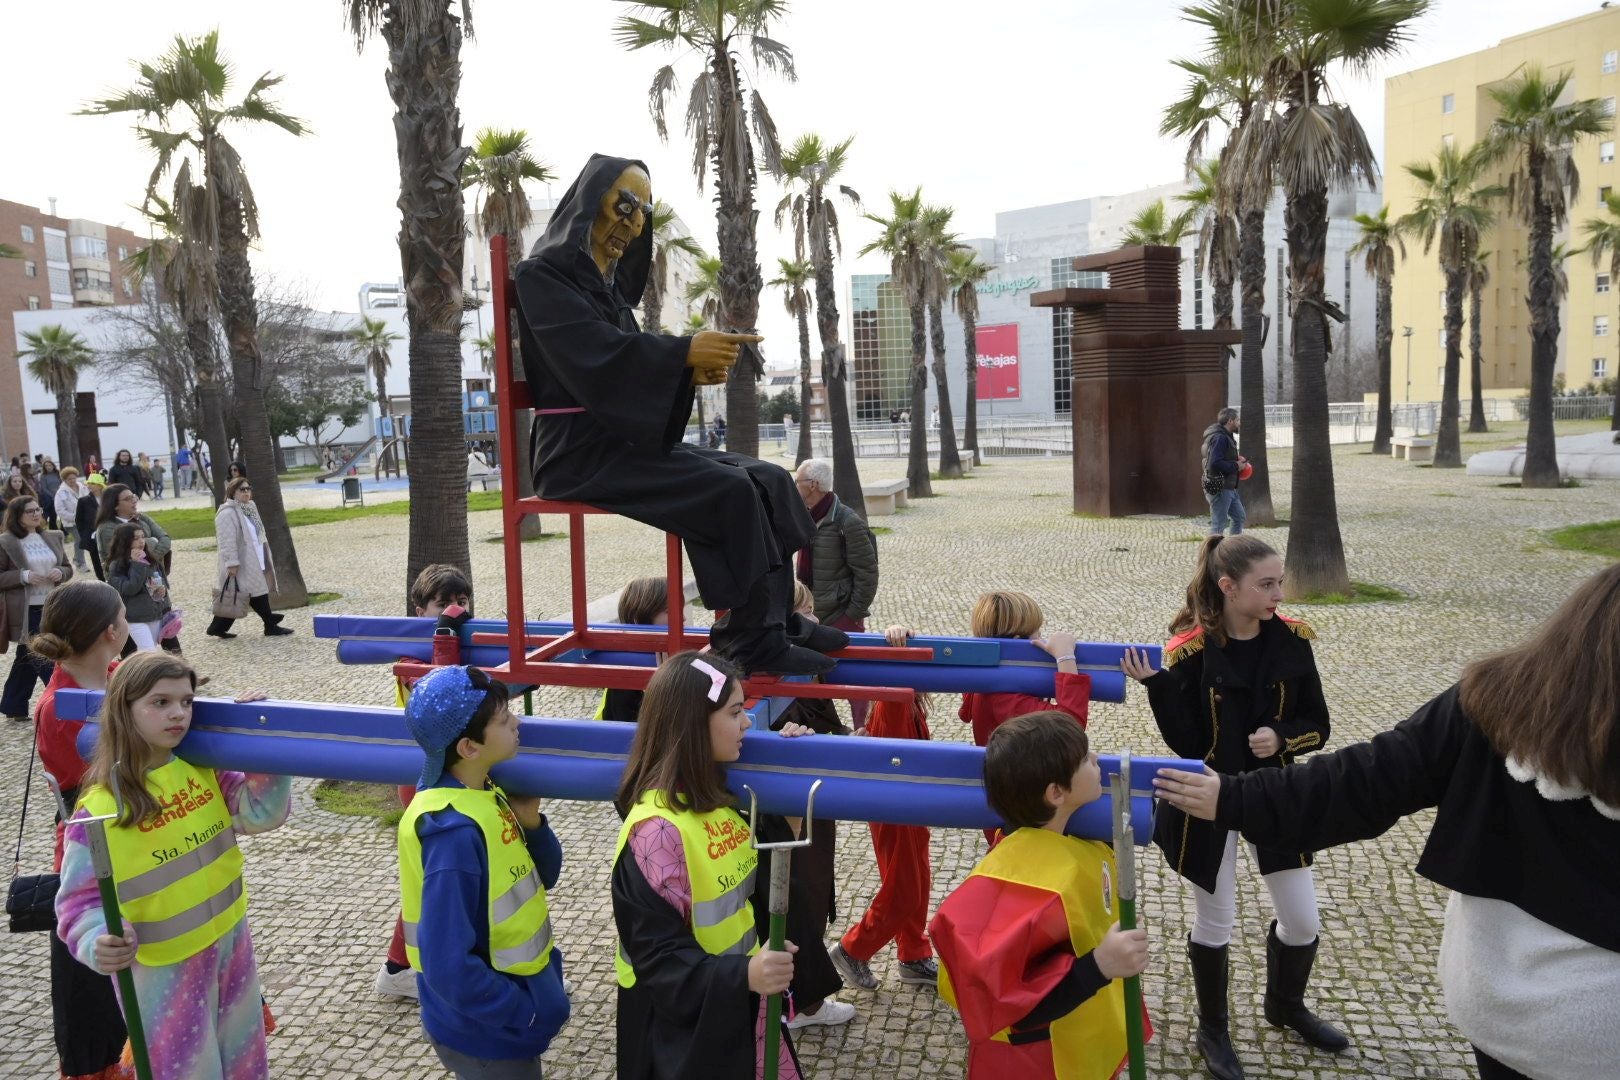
887,780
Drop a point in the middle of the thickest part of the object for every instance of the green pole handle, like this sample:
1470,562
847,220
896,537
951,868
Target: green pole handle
1133,1000
126,981
780,861
528,703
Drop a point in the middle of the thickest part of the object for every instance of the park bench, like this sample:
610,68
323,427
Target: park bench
884,497
1413,450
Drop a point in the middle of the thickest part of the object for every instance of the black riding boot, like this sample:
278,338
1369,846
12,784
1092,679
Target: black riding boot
1288,969
1209,982
754,636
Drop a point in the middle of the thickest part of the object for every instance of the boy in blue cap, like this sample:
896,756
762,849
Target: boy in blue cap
474,867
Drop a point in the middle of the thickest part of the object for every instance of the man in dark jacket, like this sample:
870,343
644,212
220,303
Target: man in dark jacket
840,566
1221,464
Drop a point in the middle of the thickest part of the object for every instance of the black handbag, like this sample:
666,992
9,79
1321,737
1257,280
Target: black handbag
31,898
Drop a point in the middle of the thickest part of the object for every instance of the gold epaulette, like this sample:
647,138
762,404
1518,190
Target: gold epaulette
1183,645
1300,627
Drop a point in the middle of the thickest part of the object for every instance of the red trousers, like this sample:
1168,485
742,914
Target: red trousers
396,947
899,911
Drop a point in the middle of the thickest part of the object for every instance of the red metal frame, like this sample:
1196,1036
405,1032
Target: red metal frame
532,659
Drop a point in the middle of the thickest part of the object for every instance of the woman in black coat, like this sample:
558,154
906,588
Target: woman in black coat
1240,691
1526,776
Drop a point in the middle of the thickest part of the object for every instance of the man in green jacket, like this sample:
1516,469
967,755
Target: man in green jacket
840,566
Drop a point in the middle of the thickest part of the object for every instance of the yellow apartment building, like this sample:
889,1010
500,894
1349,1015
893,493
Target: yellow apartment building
1448,103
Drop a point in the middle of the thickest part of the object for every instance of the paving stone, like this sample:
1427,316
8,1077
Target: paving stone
324,888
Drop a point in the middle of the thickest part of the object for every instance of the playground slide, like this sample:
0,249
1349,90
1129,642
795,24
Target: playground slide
347,462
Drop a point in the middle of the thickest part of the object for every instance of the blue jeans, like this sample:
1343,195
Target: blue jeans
1228,504
26,670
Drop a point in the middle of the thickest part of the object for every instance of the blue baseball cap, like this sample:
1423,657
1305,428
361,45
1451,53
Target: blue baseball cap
440,707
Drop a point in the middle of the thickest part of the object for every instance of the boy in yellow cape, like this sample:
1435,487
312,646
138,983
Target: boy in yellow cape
1030,952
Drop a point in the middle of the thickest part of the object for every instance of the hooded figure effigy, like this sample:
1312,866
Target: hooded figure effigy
611,405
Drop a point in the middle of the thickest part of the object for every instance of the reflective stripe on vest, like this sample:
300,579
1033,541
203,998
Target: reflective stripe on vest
519,920
720,863
178,873
1089,1042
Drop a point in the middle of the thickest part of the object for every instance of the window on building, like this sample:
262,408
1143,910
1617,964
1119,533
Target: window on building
30,268
1606,151
61,284
1608,106
1448,103
123,252
28,234
1198,291
1600,326
1600,367
1611,60
1447,140
1603,193
89,247
1441,334
129,290
1603,283
33,303
1442,295
56,250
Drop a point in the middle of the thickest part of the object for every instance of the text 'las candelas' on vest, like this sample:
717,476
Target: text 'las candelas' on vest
725,836
178,803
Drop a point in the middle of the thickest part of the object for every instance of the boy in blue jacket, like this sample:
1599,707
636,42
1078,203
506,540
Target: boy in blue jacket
474,867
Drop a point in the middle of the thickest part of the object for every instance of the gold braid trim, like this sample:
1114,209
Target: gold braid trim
1301,628
1184,650
1308,741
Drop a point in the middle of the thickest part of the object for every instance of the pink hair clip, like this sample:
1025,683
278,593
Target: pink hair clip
717,681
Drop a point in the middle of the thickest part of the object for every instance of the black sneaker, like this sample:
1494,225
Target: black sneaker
790,660
276,631
856,973
919,972
813,635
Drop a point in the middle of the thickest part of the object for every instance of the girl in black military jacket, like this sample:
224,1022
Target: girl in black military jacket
1240,691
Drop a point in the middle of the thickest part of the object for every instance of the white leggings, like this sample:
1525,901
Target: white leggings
1293,898
145,635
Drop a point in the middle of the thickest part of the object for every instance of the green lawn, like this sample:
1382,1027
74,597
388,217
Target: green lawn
1598,538
190,524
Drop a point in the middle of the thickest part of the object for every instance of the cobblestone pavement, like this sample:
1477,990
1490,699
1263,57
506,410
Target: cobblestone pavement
1468,551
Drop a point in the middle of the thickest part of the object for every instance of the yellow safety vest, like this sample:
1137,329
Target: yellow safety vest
1088,1043
721,864
519,921
179,872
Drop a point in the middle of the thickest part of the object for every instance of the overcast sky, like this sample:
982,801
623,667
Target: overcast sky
989,105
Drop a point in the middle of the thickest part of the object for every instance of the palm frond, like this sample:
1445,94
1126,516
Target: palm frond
770,151
773,56
701,113
663,85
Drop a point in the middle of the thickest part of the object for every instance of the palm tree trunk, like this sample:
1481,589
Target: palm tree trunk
834,371
424,75
1541,448
521,471
950,461
919,485
1476,363
386,454
248,380
970,349
740,280
67,426
1384,430
1447,443
1221,280
210,403
1252,370
652,303
804,450
1315,548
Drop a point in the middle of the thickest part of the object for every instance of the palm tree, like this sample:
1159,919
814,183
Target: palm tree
725,118
1300,136
55,358
792,277
936,222
373,338
1150,227
1450,204
1227,87
905,241
1377,244
695,324
810,169
424,77
704,289
181,262
664,242
1535,135
486,351
181,102
499,166
1479,276
1603,237
963,272
1210,201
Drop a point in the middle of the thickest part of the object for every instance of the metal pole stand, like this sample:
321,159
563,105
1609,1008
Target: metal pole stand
781,865
1125,863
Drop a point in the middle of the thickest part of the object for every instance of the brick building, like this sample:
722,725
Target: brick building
65,263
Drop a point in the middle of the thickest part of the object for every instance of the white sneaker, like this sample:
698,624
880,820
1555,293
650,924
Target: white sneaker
396,983
832,1013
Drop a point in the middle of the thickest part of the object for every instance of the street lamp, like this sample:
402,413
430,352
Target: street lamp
1406,332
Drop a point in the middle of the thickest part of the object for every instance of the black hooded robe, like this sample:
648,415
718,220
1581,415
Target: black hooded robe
612,404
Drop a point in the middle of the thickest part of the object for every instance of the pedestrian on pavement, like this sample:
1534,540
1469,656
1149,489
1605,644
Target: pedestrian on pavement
141,583
1240,690
1525,776
119,506
158,472
182,470
144,464
33,561
244,554
1221,468
17,486
68,494
46,485
84,521
841,564
125,470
